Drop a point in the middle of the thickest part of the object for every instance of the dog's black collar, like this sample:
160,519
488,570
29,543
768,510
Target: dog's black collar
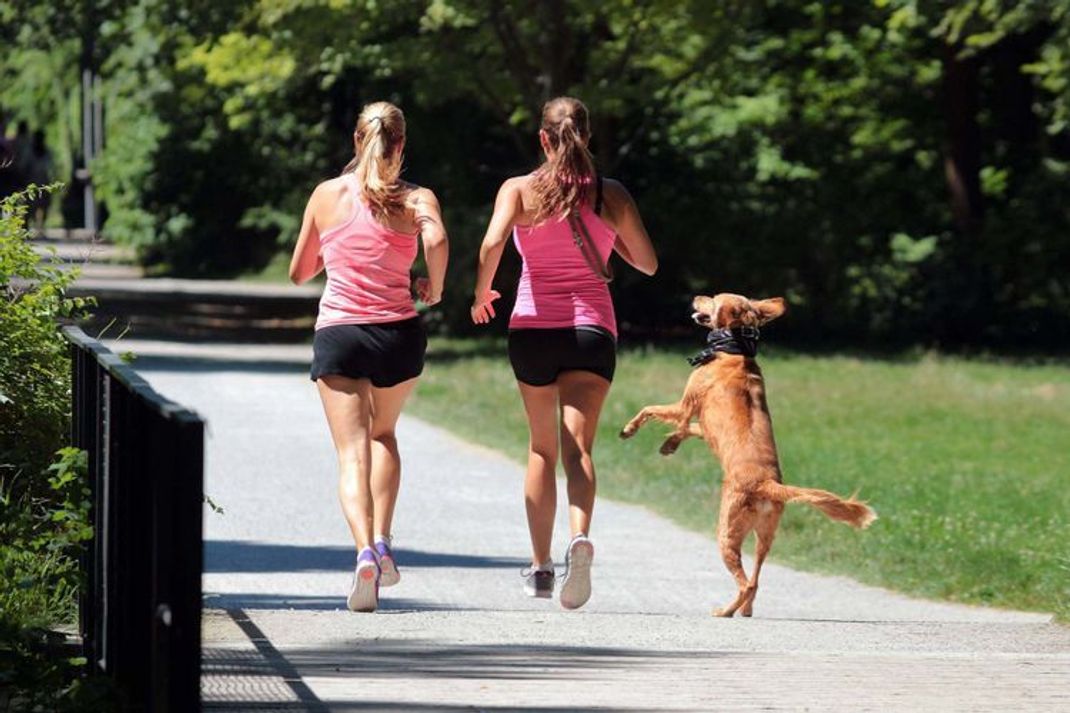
741,340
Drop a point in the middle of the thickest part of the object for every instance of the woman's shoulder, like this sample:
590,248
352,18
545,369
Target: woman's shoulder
613,187
516,183
517,190
415,194
332,187
336,183
414,190
418,196
615,197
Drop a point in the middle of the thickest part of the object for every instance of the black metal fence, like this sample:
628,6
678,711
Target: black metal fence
140,611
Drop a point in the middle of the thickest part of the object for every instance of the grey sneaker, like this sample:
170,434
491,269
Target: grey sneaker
364,591
538,583
576,587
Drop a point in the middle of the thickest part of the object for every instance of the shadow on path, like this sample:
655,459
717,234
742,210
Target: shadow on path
241,556
277,664
318,602
271,675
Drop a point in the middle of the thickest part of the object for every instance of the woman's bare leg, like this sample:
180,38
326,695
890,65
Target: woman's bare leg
582,394
386,461
540,485
347,404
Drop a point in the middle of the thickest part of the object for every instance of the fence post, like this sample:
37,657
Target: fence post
178,558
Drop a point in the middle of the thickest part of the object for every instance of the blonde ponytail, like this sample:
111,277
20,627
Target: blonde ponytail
376,163
562,181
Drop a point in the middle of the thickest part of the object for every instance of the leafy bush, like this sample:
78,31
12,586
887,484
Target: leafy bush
34,363
44,505
39,583
42,539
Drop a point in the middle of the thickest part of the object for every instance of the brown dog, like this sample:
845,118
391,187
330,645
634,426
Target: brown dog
726,394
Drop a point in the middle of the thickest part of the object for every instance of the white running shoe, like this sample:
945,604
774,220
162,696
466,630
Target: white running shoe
364,591
576,587
388,568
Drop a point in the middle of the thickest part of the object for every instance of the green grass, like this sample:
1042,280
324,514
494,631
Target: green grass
966,461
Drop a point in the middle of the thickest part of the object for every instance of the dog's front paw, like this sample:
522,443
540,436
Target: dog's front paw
627,432
669,446
725,613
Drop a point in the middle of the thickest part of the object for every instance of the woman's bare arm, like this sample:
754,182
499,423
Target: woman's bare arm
507,209
435,241
306,262
633,243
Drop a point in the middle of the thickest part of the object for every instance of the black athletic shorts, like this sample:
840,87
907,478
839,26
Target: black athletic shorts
387,354
538,356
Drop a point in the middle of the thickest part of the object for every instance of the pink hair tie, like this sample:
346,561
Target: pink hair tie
569,179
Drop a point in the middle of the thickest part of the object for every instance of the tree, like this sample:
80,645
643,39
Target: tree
895,167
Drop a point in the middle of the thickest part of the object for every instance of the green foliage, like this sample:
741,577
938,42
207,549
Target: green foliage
39,582
42,540
40,672
38,84
44,497
124,175
34,363
810,149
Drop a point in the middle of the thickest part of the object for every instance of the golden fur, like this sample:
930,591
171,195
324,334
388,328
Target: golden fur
727,397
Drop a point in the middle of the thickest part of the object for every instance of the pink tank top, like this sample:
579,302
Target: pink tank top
557,286
367,268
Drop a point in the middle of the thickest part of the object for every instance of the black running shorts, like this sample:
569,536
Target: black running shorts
538,356
387,354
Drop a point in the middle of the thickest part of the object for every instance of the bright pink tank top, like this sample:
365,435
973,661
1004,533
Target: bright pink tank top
557,286
367,268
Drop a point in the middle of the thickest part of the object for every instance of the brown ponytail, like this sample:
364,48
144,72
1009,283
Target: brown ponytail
376,161
561,182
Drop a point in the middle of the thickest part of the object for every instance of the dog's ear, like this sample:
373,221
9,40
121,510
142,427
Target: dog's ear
769,309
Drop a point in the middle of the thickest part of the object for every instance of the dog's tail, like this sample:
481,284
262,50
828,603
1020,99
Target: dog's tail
854,512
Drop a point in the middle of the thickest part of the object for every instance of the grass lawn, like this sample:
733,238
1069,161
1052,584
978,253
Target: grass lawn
965,461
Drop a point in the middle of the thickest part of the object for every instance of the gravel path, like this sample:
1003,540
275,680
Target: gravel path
457,634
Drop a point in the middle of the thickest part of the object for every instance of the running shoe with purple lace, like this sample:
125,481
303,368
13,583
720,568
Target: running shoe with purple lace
576,586
364,591
388,568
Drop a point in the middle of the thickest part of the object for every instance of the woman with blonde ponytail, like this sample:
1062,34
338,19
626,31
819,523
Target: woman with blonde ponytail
566,222
364,228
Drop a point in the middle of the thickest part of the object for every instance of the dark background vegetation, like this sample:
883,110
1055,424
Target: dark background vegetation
896,168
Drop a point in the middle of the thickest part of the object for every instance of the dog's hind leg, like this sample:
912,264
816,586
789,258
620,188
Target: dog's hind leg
734,527
764,531
677,437
669,413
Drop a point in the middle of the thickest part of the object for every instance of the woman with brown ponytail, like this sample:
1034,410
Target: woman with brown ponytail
363,228
566,221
